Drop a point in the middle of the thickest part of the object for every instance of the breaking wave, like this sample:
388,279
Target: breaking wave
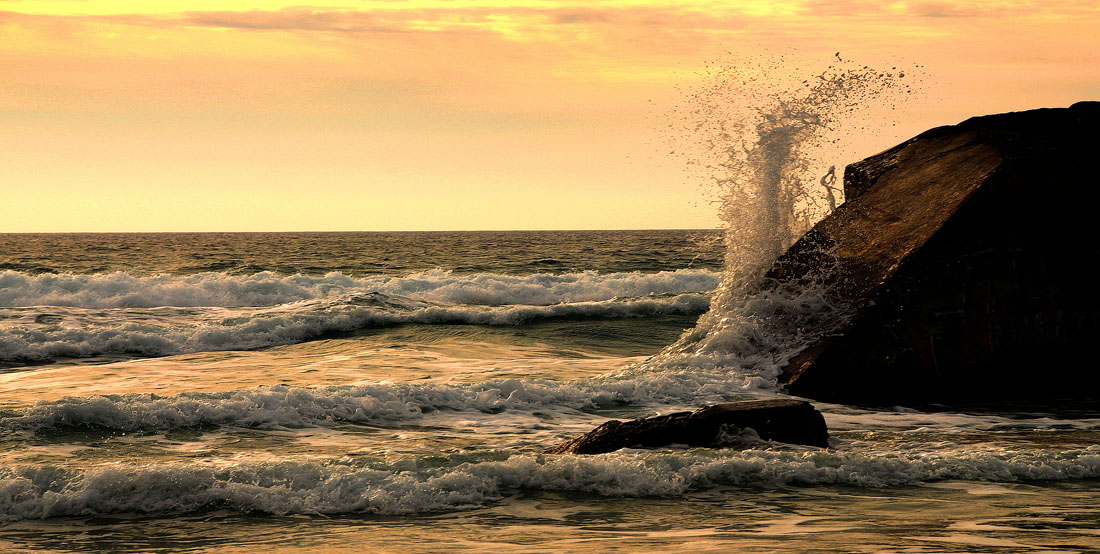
122,290
376,404
34,492
29,335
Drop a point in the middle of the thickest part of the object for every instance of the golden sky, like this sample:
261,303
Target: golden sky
448,114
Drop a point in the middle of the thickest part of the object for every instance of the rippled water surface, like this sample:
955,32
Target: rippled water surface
395,392
356,254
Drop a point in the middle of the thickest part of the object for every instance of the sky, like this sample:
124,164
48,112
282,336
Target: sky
450,114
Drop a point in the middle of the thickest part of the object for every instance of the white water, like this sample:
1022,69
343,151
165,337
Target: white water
340,488
770,144
122,290
59,316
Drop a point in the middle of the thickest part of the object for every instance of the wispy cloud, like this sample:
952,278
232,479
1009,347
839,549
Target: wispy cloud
940,9
503,19
290,19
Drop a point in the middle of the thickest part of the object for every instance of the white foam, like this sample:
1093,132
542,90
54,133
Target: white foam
343,487
122,290
378,404
756,333
765,136
82,332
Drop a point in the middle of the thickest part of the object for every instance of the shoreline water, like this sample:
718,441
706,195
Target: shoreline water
202,451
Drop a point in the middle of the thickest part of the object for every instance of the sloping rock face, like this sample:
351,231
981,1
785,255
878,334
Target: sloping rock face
782,420
965,256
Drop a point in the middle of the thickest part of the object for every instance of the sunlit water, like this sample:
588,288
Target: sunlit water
261,393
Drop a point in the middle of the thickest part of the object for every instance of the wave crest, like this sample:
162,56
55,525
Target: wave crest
33,335
122,290
376,404
34,492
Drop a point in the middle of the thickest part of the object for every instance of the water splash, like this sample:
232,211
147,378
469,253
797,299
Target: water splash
769,141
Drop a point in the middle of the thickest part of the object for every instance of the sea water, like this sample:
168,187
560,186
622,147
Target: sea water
353,392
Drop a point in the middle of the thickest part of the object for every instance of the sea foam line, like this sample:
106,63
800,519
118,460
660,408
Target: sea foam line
122,290
33,335
376,404
35,492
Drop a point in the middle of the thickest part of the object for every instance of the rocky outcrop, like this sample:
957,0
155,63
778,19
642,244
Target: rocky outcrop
782,420
965,258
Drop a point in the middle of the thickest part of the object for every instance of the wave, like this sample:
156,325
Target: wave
376,404
34,492
34,335
393,404
122,290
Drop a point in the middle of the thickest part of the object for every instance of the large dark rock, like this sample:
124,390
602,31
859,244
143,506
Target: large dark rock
782,420
965,257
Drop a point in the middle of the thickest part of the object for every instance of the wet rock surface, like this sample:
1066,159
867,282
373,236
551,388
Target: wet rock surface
781,420
965,258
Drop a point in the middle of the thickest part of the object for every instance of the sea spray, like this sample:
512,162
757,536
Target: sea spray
770,142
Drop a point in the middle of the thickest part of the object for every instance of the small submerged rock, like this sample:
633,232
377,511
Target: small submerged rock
48,319
781,420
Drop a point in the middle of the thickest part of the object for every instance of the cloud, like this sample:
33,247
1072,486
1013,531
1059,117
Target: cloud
944,9
579,16
506,20
292,19
843,8
938,9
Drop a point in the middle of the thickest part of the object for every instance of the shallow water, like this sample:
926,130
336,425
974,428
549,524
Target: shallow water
947,517
401,409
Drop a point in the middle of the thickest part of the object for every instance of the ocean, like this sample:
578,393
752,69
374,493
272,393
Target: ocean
395,392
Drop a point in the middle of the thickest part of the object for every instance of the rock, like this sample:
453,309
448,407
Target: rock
965,259
781,420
